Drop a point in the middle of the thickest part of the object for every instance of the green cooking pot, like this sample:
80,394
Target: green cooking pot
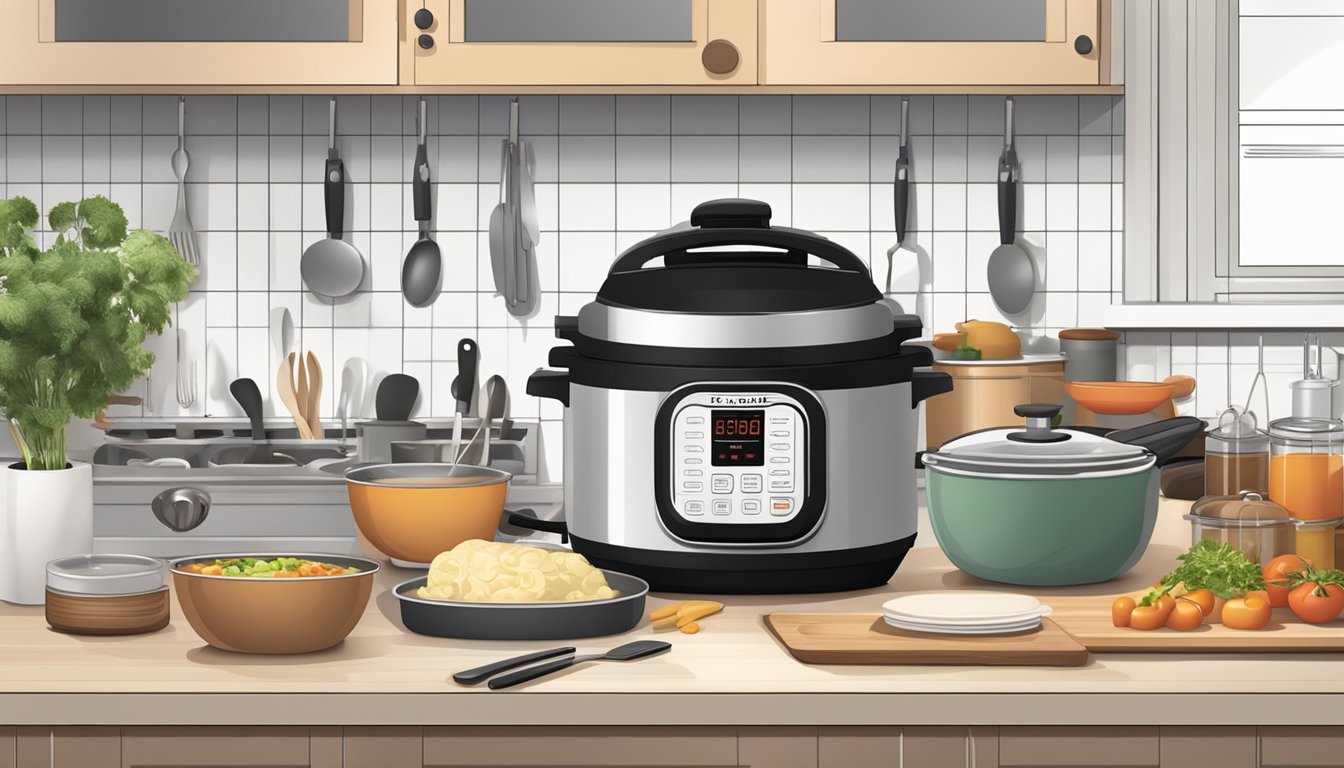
1045,507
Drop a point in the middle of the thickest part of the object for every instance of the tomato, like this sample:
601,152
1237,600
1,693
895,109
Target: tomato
1277,570
1250,612
1121,610
1317,603
1202,597
1148,617
1186,616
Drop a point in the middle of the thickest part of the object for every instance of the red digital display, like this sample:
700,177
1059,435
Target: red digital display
738,438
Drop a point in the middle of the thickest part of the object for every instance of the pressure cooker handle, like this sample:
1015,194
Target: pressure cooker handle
926,384
551,385
734,222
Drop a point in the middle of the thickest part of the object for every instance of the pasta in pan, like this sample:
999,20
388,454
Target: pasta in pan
480,571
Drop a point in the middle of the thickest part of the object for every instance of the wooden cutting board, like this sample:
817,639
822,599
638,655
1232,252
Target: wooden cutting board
1089,620
834,638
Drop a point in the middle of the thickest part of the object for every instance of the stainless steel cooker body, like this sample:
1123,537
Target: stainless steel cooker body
740,421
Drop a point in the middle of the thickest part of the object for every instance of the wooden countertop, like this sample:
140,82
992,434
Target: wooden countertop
734,671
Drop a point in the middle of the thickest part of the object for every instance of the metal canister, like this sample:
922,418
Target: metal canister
1091,356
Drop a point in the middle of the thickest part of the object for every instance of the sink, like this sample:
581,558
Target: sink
218,453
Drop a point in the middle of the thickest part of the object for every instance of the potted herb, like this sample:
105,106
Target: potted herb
73,319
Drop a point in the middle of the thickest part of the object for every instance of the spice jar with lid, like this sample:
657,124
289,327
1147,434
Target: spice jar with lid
1236,455
1306,467
1247,521
106,595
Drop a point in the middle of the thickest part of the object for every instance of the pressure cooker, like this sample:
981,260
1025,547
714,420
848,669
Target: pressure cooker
740,412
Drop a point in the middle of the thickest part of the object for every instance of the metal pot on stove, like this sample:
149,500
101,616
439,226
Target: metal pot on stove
738,420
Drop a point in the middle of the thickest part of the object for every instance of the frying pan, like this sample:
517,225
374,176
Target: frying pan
331,267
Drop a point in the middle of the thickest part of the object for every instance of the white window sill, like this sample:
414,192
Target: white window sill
1168,316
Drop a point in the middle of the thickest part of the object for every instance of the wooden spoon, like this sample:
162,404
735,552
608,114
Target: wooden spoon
302,391
284,388
314,409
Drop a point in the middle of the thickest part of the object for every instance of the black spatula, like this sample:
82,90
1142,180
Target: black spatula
396,397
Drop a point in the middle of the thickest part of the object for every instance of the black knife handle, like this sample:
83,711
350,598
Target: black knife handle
531,673
901,199
466,371
479,675
333,189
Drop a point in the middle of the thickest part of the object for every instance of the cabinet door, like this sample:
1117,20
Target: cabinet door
1197,746
1301,746
67,747
208,746
539,747
205,42
1078,746
585,42
931,42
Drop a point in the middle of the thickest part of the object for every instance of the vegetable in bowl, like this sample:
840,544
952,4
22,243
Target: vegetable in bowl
277,568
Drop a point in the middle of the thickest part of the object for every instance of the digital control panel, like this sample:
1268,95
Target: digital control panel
738,458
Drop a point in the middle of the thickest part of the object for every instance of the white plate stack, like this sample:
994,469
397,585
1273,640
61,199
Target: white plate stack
965,613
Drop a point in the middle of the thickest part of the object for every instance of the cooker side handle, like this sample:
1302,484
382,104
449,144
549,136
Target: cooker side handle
923,385
549,384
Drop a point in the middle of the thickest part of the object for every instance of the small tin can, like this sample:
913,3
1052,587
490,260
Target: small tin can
107,595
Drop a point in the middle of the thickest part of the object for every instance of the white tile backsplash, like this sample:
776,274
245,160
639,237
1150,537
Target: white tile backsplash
611,170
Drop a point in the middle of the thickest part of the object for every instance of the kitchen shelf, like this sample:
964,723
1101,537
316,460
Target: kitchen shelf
526,90
1222,316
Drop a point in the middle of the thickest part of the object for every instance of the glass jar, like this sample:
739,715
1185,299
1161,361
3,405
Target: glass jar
1260,528
1305,470
1236,455
1315,541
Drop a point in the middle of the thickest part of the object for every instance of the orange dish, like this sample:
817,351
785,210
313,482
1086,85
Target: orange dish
1120,397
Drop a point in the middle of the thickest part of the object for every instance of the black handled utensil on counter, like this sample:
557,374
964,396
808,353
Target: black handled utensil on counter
248,395
478,675
396,397
629,652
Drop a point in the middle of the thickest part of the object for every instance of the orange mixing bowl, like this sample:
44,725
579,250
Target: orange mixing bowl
1126,398
412,512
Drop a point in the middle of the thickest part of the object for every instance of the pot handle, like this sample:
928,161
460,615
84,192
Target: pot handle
545,526
926,384
1164,438
552,385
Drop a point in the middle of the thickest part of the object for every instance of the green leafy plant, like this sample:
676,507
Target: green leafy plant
1212,565
73,317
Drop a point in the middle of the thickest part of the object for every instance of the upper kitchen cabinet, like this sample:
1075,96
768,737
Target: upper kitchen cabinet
932,42
520,43
132,43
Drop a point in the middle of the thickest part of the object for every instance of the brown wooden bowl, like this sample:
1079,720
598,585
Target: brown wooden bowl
259,615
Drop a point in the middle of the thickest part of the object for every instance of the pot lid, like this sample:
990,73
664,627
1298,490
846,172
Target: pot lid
1307,429
729,260
1245,509
1039,449
1236,430
105,574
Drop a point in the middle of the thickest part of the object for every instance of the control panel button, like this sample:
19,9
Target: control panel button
692,487
781,484
781,507
695,507
693,472
722,483
780,446
751,483
695,420
695,435
693,461
751,506
693,449
779,434
723,506
779,472
780,460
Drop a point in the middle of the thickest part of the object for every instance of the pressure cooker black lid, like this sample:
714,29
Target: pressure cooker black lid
729,260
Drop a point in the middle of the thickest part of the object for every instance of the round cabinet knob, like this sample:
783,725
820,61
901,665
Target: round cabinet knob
424,18
1082,44
720,57
425,41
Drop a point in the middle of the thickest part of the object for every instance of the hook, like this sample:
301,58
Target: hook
422,120
905,119
513,120
181,120
1008,121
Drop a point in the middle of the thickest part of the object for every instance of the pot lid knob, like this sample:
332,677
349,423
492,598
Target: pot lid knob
1039,417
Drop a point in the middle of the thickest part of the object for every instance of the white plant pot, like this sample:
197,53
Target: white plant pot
43,516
